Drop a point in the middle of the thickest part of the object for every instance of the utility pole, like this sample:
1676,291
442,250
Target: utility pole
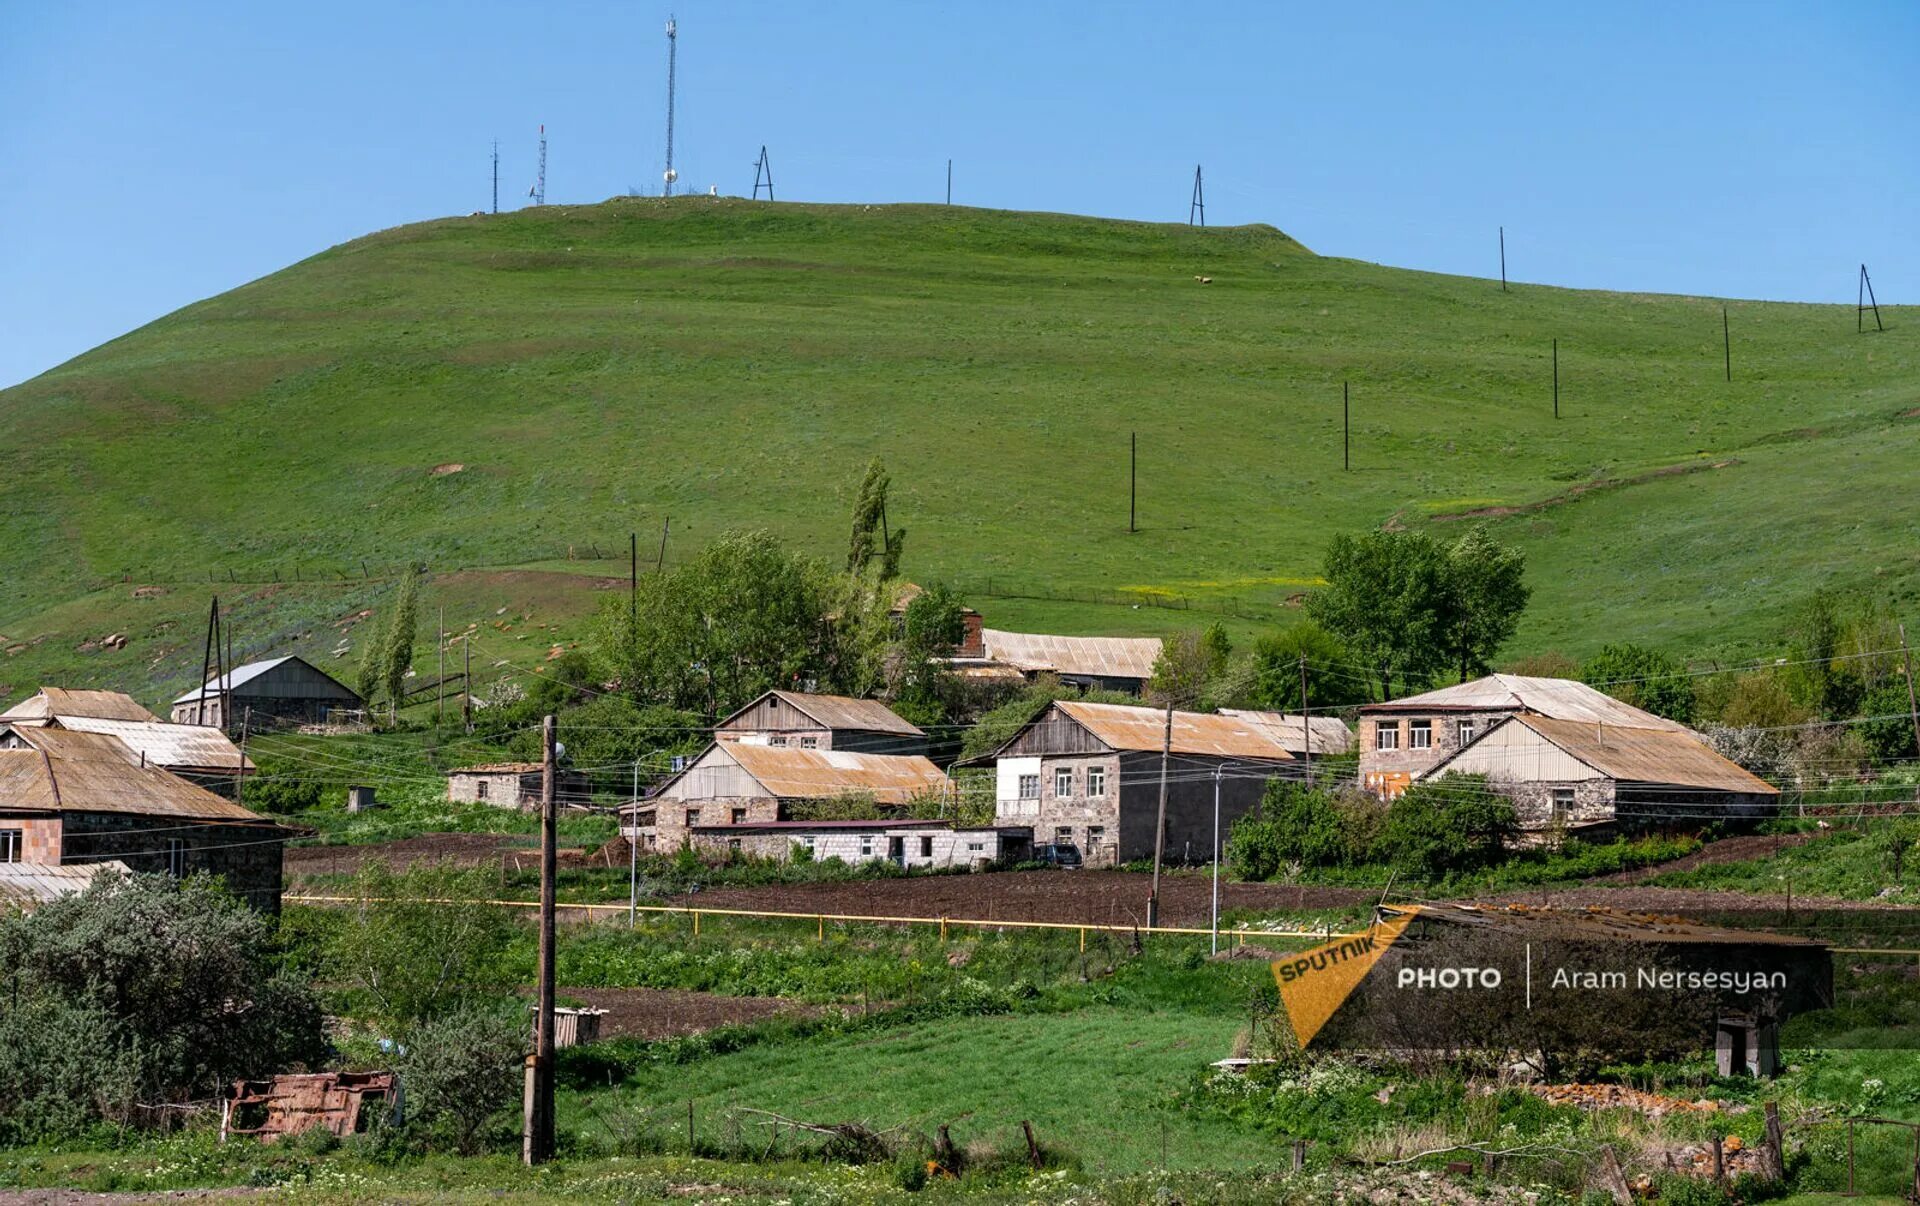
1726,340
633,850
496,175
763,167
240,772
1863,298
466,682
539,190
537,1147
949,181
1197,208
633,585
1913,708
1306,720
1503,259
665,527
1133,482
1160,821
206,663
1346,427
1216,856
1556,378
440,687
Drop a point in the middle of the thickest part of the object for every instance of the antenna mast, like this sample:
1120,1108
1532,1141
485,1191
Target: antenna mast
1198,206
496,175
539,190
763,168
673,46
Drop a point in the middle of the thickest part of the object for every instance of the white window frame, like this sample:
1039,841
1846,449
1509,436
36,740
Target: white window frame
480,789
809,743
1029,787
1386,736
976,847
1560,801
177,858
1419,734
1095,835
866,845
13,845
1464,730
1062,782
1097,782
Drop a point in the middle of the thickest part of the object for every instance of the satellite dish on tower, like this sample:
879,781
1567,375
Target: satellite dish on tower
670,175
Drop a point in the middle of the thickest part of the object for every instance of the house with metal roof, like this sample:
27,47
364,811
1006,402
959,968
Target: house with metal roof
73,798
1089,775
1105,663
290,689
201,754
1586,776
1301,736
740,782
822,722
1403,738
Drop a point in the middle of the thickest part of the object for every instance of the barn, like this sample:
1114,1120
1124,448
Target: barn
288,688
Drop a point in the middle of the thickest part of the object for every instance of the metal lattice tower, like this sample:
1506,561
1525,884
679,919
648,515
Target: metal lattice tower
539,190
673,47
763,168
496,175
1198,206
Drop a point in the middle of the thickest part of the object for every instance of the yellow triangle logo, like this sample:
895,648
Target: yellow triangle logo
1313,984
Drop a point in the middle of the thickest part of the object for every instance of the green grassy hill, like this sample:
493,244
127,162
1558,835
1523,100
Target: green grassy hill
500,390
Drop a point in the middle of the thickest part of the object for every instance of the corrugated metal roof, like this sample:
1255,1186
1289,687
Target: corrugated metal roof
1632,755
173,746
235,677
846,712
61,770
28,885
54,702
877,826
1555,698
791,773
1139,728
1107,657
1330,733
499,768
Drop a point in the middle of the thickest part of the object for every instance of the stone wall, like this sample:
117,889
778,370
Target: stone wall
246,856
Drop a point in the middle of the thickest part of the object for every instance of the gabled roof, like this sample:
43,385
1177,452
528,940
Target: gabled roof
1555,698
839,713
54,702
64,771
1124,727
1330,733
499,768
790,773
1629,755
181,747
1105,657
240,676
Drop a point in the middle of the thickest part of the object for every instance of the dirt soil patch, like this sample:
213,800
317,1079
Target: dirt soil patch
1584,488
657,1013
1088,897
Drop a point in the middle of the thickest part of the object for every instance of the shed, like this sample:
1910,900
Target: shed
284,688
513,785
1107,663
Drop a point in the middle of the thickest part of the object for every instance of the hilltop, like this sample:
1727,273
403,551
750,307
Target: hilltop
512,389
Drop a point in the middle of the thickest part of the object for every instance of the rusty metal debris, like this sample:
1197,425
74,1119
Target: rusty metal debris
342,1102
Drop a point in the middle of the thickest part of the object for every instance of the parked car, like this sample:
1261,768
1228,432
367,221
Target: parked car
1064,855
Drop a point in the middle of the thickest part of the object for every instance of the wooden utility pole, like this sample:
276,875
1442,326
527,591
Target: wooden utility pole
1346,428
537,1147
1726,341
633,583
466,682
1913,709
665,527
1306,721
1133,481
1503,259
240,772
440,687
1864,299
206,663
1160,820
1556,378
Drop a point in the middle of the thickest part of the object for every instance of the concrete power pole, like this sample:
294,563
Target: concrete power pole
537,1145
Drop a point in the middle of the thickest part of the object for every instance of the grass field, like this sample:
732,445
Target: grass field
595,369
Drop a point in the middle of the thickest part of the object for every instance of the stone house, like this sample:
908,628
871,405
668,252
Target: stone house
905,843
512,785
1402,739
290,689
1581,777
195,752
822,722
735,783
1088,775
69,797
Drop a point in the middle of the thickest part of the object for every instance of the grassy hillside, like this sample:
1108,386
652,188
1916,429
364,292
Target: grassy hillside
593,369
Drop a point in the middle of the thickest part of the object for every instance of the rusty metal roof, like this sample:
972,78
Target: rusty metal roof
1106,657
1124,727
499,768
1631,755
845,712
57,702
59,770
1330,733
790,773
1557,698
183,747
26,886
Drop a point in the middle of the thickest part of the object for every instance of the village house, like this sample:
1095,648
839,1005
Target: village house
70,798
1102,663
1590,778
1403,739
194,752
1088,775
1301,736
906,843
822,722
288,689
513,785
734,783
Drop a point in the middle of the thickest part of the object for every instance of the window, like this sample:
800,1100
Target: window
693,817
926,847
12,845
1063,835
1562,804
1095,835
1419,734
976,847
808,843
480,789
733,845
1029,787
1096,781
809,743
176,858
866,847
777,740
737,816
1062,782
1386,734
1466,730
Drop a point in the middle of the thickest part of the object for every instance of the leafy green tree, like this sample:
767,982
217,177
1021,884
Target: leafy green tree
1448,826
397,637
1487,594
1190,662
412,951
612,734
1276,670
871,536
1886,725
462,1070
1387,600
1644,678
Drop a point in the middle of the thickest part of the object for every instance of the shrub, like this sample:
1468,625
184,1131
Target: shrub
1886,724
1453,825
411,951
462,1070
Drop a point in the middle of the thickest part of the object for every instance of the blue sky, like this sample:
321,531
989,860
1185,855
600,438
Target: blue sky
153,154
